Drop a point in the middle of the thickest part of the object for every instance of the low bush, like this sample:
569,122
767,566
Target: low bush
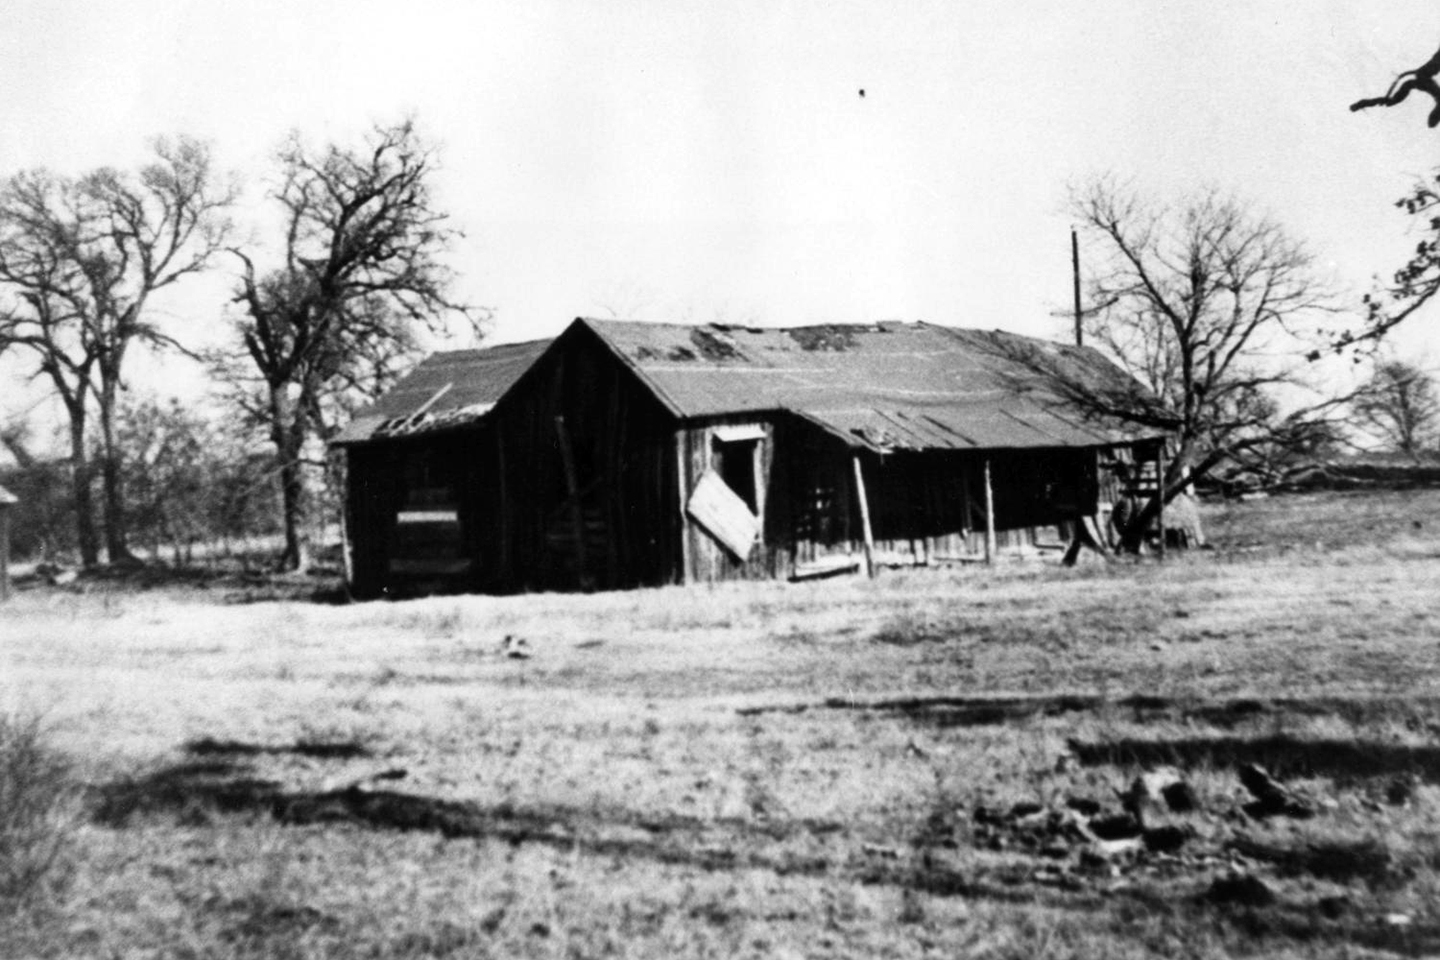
39,815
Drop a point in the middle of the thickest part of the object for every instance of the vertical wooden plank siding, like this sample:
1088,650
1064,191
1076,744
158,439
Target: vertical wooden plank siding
577,512
682,490
503,512
621,463
864,502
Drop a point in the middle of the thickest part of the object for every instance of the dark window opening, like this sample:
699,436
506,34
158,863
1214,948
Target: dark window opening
429,482
736,462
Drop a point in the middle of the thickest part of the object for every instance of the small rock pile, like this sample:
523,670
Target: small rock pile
1153,825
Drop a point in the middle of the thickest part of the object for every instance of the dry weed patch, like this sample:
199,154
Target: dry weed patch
39,818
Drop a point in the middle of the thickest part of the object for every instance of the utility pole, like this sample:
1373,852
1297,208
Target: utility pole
1075,276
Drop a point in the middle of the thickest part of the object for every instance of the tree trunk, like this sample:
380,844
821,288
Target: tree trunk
112,482
287,432
292,491
1167,487
86,534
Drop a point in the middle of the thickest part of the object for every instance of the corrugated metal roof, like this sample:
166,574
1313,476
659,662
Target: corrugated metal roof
888,386
471,381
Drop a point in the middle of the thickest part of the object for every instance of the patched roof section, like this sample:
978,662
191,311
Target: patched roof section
886,386
449,389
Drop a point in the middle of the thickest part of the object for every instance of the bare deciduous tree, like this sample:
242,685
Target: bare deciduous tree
360,273
80,259
1204,304
1399,406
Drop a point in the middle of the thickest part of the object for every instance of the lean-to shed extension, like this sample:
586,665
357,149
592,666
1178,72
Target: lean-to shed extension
624,454
416,478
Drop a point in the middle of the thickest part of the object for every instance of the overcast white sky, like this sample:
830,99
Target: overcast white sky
714,160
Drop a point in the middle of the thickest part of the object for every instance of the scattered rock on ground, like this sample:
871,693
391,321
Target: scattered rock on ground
1153,788
1116,826
1271,798
1242,890
1180,797
1110,850
1167,839
1399,790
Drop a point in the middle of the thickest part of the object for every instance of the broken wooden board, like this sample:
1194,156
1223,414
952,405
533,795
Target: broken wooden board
825,567
724,515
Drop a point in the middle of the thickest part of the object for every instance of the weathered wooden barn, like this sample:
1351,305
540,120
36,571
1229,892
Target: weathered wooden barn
626,454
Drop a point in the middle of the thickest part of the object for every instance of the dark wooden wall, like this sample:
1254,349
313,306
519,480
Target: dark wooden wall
623,465
398,517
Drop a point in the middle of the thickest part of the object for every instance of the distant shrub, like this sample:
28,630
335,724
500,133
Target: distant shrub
910,628
39,815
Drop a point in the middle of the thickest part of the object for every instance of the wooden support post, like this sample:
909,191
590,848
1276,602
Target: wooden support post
577,515
864,517
681,461
990,548
967,509
1160,494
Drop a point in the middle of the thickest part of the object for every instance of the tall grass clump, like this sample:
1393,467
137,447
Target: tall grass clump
39,815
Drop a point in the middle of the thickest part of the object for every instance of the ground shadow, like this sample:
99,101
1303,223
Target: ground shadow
952,711
191,791
319,749
1283,756
231,581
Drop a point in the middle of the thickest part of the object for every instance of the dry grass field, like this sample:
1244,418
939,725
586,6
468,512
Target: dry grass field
931,764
